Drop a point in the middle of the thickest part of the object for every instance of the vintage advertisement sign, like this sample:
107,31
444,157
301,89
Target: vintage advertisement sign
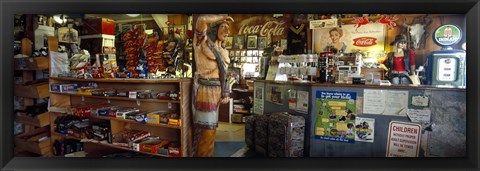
447,35
348,38
260,25
403,139
328,23
335,116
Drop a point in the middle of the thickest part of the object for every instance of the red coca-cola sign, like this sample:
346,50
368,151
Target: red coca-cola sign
364,41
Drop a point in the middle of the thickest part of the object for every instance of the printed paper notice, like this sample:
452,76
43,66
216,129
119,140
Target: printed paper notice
373,101
335,116
292,99
385,102
419,108
258,100
302,101
364,129
396,103
419,116
403,139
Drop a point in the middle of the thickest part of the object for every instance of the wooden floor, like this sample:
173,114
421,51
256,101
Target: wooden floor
230,132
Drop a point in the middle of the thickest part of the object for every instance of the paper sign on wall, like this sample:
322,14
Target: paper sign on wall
302,101
258,98
335,116
364,129
419,108
292,99
403,139
385,102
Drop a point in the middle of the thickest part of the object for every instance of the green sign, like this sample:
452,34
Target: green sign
447,35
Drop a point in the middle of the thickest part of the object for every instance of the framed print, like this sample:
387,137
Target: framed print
238,53
252,42
234,72
262,42
239,42
231,53
229,43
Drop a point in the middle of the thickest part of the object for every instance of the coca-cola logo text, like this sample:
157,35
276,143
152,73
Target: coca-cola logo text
364,41
275,28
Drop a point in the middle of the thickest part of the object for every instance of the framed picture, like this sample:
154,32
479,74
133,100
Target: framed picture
283,44
231,53
229,43
252,42
235,73
239,42
262,42
238,53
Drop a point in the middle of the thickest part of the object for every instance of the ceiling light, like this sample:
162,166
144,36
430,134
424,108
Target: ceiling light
133,15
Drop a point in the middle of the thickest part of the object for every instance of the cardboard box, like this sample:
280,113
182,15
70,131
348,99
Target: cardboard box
174,151
98,26
175,122
39,90
63,87
152,146
86,91
153,118
83,110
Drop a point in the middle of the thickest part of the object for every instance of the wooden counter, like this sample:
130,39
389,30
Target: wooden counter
420,87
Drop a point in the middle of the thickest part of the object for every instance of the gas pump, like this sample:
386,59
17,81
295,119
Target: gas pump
446,66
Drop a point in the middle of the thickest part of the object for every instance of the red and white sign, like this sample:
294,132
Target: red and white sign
403,139
368,37
364,41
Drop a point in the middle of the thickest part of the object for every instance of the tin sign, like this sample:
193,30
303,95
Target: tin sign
447,35
403,139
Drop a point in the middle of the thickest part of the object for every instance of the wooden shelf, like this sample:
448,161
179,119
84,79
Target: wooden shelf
245,113
126,120
182,133
119,98
131,121
125,80
108,145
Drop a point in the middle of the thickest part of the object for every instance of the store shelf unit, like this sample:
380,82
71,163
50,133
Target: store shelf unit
35,127
173,133
243,99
